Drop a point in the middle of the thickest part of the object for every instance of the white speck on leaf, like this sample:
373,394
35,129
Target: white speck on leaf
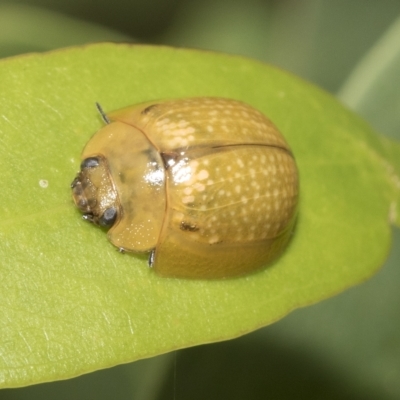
43,183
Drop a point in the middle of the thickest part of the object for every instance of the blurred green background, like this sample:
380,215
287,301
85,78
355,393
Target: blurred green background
347,347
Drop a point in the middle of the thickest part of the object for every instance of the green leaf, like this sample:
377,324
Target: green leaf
70,303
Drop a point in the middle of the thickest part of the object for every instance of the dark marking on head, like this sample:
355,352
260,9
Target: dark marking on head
187,226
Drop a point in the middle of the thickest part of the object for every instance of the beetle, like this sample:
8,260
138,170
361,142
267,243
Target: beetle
207,186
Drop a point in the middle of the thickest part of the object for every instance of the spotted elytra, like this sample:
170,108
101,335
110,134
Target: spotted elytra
207,186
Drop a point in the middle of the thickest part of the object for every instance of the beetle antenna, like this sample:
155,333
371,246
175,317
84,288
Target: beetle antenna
102,113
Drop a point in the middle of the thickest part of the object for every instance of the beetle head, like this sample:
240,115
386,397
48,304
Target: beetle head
94,193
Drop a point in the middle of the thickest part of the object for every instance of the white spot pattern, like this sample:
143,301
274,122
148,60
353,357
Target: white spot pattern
43,183
204,121
257,204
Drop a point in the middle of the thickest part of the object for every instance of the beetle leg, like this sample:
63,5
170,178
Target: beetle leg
151,258
88,217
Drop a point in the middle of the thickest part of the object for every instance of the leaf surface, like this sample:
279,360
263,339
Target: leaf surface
71,304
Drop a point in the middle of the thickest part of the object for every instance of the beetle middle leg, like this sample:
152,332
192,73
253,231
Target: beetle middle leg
151,258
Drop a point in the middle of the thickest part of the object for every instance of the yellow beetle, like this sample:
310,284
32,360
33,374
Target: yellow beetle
207,186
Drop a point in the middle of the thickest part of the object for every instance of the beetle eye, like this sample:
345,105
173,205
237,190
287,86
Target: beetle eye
90,162
108,217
